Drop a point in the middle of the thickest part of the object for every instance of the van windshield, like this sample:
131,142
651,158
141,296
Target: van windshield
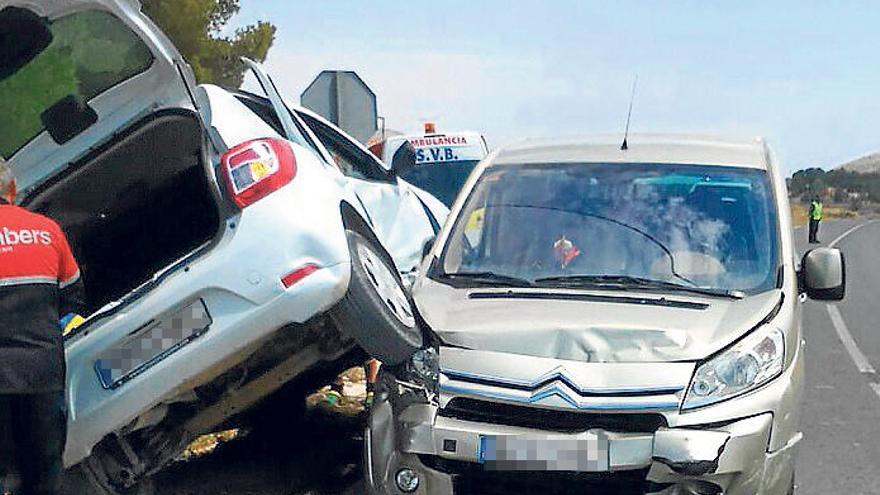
442,179
597,224
91,51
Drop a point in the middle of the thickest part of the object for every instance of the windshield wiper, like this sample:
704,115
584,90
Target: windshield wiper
625,282
488,278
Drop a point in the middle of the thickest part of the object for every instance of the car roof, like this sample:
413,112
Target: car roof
642,148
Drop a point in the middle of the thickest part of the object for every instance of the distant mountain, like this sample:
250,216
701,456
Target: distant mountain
868,164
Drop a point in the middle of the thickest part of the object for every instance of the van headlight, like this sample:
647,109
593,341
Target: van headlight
746,365
424,368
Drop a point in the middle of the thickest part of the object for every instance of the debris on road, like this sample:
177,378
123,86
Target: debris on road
206,444
350,402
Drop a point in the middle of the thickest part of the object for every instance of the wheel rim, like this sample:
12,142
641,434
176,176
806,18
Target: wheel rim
386,285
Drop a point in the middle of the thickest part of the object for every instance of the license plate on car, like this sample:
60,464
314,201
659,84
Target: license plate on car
152,343
587,452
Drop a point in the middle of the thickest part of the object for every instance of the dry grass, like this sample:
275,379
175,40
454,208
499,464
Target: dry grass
800,213
206,444
354,391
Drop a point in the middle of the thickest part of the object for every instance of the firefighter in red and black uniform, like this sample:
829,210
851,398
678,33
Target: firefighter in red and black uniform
39,284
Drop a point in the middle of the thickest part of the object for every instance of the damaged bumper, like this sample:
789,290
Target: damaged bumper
449,455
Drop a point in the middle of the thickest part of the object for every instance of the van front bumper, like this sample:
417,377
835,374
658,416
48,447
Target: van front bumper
730,458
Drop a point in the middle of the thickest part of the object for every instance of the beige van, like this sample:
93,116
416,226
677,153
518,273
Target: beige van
607,319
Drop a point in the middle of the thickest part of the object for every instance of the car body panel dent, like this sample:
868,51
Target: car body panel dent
523,327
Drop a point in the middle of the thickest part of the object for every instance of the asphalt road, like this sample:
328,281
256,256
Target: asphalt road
840,452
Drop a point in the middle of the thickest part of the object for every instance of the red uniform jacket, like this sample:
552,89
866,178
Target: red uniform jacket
39,282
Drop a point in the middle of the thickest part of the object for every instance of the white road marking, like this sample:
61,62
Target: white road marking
858,357
848,232
849,343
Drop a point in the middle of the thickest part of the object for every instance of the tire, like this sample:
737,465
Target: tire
376,311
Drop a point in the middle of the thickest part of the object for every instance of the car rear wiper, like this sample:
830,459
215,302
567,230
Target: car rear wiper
487,278
626,282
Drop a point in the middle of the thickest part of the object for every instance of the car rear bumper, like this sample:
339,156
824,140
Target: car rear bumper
240,282
237,327
731,457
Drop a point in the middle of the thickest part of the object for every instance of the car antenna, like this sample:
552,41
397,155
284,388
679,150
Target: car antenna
632,96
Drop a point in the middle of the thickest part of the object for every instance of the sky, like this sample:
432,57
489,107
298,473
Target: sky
805,75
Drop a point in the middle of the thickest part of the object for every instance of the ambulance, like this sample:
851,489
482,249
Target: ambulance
443,160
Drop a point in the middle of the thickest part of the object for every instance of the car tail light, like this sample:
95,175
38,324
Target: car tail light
298,274
256,168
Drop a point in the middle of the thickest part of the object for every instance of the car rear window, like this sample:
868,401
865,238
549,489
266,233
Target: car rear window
91,51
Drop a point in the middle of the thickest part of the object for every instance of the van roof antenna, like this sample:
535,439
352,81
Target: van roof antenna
632,96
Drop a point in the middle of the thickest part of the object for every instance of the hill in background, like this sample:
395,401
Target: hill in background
868,164
842,185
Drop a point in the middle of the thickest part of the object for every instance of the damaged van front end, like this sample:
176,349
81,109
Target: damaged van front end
492,422
626,321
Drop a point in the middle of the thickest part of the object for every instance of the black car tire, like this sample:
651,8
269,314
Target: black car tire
376,311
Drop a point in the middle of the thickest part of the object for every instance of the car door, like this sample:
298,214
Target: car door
293,130
401,220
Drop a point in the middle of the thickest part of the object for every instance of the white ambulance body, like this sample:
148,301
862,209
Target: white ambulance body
443,160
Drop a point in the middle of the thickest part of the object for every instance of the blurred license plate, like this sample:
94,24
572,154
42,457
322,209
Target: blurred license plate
587,452
152,343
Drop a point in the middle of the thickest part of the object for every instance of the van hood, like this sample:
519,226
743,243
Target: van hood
589,326
164,84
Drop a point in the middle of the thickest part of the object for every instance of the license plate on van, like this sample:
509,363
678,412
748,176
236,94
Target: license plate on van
151,344
587,452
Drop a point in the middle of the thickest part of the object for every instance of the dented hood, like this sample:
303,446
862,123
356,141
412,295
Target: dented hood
589,326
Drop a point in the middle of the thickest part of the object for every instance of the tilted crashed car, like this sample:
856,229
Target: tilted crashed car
227,246
607,318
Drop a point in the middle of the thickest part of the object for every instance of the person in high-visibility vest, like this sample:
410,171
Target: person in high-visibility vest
815,218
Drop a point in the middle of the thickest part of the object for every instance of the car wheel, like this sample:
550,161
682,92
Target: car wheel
376,312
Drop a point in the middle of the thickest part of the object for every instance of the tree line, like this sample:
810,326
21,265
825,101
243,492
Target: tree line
196,28
844,186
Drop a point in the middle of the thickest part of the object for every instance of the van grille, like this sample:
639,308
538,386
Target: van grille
482,411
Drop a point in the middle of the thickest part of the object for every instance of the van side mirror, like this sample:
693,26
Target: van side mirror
823,274
404,159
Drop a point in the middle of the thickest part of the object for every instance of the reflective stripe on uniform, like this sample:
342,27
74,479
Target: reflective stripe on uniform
10,281
70,281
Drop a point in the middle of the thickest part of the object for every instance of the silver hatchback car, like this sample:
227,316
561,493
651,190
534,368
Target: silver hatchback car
234,251
617,319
